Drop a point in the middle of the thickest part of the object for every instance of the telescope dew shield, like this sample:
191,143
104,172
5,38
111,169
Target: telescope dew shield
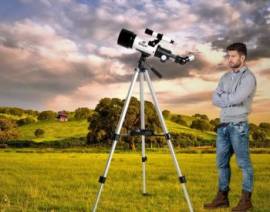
126,38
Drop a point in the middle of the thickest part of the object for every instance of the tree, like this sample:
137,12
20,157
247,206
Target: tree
8,130
152,122
252,128
102,123
201,124
82,113
12,111
259,137
201,116
24,121
215,122
18,111
31,112
39,132
166,114
265,126
179,120
47,115
104,118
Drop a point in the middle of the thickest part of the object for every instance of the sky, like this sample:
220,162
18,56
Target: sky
63,54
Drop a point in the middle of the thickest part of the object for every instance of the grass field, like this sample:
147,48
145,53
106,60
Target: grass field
68,182
54,130
177,128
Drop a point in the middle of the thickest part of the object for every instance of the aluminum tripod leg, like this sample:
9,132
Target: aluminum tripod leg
102,179
165,131
142,128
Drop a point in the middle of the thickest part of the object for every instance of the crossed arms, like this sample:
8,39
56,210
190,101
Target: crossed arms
223,99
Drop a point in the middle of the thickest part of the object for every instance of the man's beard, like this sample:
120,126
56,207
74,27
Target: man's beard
236,65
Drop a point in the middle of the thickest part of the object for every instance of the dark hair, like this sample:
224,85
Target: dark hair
239,47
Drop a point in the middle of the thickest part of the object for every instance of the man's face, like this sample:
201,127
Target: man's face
235,59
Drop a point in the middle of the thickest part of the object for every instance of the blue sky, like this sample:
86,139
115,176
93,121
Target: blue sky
63,54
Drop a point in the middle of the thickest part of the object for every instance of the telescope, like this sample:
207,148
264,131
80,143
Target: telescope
129,39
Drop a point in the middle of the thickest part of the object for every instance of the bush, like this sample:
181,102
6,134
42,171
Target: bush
39,132
265,127
201,116
8,130
215,122
259,137
166,114
201,124
47,115
3,116
179,120
3,146
65,143
12,111
25,121
82,113
31,112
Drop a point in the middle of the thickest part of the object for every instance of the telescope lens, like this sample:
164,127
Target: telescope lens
126,38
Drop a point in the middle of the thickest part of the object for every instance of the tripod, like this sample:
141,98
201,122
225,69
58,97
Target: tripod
144,75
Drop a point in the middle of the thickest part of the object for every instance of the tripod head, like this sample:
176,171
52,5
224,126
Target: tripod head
142,64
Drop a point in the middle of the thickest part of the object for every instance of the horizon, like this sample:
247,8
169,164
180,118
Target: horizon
61,55
172,112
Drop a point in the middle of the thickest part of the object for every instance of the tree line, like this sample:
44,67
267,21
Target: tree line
32,116
104,118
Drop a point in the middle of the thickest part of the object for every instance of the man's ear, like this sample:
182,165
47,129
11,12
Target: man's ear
243,58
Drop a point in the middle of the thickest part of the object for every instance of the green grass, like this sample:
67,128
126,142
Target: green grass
177,128
68,182
54,130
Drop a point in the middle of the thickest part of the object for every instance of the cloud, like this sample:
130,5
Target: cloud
87,95
45,64
251,27
192,98
36,38
48,64
51,50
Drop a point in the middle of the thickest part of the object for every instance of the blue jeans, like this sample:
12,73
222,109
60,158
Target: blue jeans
233,138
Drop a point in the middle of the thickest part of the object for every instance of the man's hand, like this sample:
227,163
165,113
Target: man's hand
219,91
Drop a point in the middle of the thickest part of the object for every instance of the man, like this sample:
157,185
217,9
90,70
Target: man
234,95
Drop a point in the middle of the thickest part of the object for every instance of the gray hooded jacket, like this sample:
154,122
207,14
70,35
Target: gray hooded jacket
234,95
